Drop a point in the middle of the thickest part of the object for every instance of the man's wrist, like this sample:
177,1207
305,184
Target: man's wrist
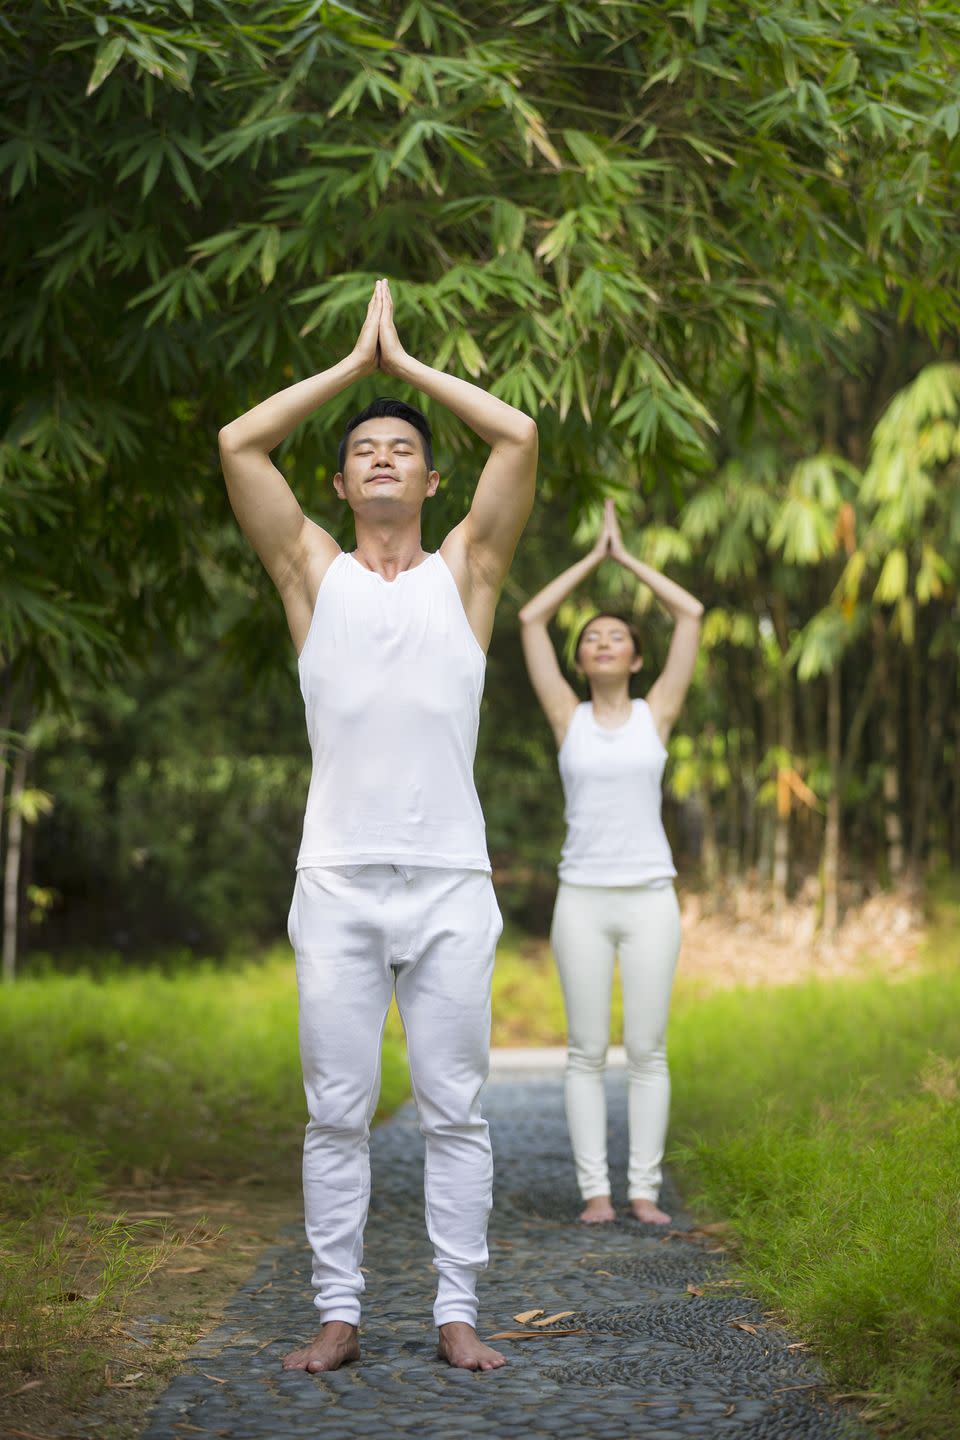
356,367
405,367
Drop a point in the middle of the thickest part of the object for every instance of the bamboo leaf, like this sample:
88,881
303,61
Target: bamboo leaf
105,61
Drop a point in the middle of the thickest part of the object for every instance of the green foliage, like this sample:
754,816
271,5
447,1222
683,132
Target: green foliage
671,235
822,1121
595,209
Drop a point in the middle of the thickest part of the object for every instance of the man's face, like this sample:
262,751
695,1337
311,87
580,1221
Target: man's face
385,470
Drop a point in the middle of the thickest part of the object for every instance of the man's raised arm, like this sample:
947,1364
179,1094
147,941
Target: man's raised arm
266,508
504,495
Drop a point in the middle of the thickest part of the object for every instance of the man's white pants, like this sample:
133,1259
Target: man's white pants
591,925
359,932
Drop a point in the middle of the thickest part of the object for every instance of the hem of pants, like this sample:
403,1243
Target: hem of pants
593,1193
338,1310
653,1195
449,1314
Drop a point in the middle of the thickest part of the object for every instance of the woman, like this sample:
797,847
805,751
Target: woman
616,872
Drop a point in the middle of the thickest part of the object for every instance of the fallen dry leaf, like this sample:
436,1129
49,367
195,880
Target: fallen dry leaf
694,1290
212,1377
533,1334
743,1325
549,1319
30,1385
609,1274
187,1270
527,1315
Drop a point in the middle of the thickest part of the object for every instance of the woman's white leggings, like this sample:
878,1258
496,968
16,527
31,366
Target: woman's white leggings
591,926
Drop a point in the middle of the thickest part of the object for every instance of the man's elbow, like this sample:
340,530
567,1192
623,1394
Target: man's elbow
527,433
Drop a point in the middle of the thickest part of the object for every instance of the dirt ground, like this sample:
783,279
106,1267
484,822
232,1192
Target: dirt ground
745,943
212,1243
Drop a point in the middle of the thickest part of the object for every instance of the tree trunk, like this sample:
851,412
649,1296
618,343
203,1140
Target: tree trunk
734,800
889,705
831,836
711,862
6,717
781,834
926,739
11,869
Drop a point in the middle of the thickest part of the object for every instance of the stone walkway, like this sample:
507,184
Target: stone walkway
652,1362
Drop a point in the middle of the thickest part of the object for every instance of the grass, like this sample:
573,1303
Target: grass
112,1087
823,1122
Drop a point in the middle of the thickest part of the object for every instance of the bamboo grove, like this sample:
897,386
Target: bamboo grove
713,248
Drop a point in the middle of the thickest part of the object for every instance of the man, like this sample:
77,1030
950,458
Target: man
393,881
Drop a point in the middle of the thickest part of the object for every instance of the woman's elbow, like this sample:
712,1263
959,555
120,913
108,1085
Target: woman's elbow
227,438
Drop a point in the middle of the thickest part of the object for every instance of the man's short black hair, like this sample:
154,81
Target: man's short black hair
383,406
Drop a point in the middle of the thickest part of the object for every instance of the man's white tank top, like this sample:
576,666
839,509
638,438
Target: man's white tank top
392,676
612,786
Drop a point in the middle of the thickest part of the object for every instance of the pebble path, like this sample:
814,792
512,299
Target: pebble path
652,1361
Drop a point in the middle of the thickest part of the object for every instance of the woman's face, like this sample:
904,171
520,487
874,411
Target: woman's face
606,650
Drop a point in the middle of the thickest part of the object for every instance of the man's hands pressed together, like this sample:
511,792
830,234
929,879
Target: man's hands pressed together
378,345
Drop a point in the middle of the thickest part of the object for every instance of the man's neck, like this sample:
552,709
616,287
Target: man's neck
388,550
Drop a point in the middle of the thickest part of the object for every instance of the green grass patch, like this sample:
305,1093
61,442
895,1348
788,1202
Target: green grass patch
178,1078
823,1121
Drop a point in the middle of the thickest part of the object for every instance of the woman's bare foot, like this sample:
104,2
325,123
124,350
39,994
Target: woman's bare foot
336,1345
598,1211
649,1212
461,1347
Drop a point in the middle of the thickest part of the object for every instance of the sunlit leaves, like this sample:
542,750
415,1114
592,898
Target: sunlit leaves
595,228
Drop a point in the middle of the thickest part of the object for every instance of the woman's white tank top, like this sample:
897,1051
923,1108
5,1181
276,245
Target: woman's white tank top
392,676
612,786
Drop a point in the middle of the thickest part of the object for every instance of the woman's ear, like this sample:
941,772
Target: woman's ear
637,665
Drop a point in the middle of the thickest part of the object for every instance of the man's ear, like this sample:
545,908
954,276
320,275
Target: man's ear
433,480
338,485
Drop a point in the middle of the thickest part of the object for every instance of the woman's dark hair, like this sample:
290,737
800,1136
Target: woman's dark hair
610,615
384,407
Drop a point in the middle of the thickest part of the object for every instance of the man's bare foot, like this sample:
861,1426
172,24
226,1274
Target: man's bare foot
598,1211
461,1347
649,1212
336,1345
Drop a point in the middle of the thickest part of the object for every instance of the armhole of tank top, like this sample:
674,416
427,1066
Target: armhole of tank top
316,606
460,605
574,720
644,709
